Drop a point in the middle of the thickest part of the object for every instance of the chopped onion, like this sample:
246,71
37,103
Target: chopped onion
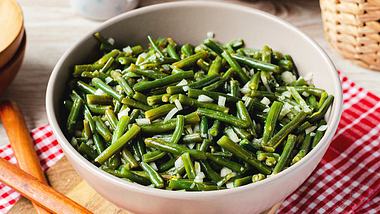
199,177
247,100
182,83
210,34
204,98
123,113
251,72
305,94
265,81
225,171
322,128
108,80
185,88
178,163
312,134
99,92
266,110
153,165
196,128
310,129
265,101
192,185
221,101
171,114
107,123
285,109
288,77
128,50
197,167
245,89
143,121
191,145
189,129
232,135
178,104
286,94
90,141
111,40
230,185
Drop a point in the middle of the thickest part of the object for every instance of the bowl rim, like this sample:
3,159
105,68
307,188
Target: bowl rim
76,156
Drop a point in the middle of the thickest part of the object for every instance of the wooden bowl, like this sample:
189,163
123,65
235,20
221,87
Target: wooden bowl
11,19
9,71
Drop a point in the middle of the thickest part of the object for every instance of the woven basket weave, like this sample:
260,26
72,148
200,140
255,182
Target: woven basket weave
353,28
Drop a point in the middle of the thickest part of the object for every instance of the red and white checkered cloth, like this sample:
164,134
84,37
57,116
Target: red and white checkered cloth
346,181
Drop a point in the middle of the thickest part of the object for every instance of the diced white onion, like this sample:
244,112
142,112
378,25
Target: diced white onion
265,101
128,50
192,185
210,34
305,94
266,110
251,72
111,40
310,129
90,142
230,185
196,128
312,134
204,98
185,88
178,104
99,92
199,177
288,77
221,101
166,67
322,128
232,135
108,80
297,108
171,114
191,145
285,109
123,113
245,89
153,165
247,100
244,98
143,121
225,171
265,81
182,83
178,163
106,123
136,157
286,94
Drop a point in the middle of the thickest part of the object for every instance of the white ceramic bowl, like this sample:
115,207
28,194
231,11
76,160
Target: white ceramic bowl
190,22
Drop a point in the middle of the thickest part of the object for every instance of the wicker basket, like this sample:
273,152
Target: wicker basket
353,28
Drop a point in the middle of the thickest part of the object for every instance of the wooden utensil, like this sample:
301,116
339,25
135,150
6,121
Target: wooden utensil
9,71
12,26
37,191
21,142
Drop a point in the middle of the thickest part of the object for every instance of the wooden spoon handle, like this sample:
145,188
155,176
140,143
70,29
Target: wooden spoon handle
21,142
37,191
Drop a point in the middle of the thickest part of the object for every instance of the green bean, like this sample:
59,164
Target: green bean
189,167
214,130
173,148
164,126
258,177
154,176
254,83
158,112
319,134
187,50
172,52
285,130
204,127
111,118
271,121
87,150
98,109
149,73
242,181
113,148
146,85
190,60
121,126
99,144
154,99
155,47
125,173
106,88
210,172
124,85
266,54
297,97
187,101
129,159
300,89
226,118
177,134
86,129
74,114
79,69
195,93
167,165
213,45
98,99
322,110
189,185
153,156
198,84
235,89
215,66
234,65
220,82
253,63
86,88
305,147
225,162
135,104
288,148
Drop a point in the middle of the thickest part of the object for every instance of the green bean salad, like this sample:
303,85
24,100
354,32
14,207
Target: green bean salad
193,118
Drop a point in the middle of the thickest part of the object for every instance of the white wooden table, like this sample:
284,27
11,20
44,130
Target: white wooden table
52,27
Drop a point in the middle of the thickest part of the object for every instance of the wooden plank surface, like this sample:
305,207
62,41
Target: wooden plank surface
52,27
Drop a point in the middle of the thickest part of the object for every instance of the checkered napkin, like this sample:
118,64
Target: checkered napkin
346,181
